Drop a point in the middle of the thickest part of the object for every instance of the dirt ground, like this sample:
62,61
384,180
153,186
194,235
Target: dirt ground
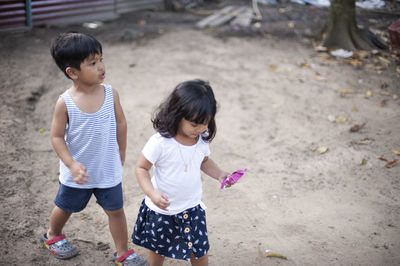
281,105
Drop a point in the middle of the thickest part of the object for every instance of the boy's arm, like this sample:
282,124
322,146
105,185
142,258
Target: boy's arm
143,177
57,132
209,167
122,127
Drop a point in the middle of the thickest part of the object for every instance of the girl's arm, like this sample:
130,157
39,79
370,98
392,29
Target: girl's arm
57,132
209,167
122,127
143,177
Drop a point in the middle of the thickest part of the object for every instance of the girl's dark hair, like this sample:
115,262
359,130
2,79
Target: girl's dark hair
72,48
192,100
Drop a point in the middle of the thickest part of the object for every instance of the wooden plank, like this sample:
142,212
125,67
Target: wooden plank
243,18
208,20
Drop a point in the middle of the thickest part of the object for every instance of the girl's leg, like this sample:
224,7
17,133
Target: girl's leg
202,261
58,218
155,259
118,229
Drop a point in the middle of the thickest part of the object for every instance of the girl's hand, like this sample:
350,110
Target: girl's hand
79,173
160,199
222,176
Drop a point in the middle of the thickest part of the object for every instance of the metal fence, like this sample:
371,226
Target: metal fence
28,13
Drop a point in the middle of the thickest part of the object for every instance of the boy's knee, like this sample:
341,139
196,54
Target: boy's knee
115,213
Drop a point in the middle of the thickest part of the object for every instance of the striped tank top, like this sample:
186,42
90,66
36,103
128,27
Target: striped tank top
91,139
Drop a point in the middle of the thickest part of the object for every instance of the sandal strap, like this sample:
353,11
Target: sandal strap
55,239
125,255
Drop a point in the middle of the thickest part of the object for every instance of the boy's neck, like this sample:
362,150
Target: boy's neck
83,88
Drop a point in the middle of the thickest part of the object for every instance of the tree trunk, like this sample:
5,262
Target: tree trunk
341,28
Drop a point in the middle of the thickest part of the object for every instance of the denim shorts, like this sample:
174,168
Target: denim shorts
71,199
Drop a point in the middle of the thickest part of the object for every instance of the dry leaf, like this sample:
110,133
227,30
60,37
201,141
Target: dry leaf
384,93
355,62
383,159
398,70
272,67
345,91
356,128
396,152
369,93
322,149
354,109
391,164
384,60
319,77
384,102
364,161
341,120
395,97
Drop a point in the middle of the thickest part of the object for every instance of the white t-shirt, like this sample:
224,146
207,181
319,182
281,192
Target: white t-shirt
169,158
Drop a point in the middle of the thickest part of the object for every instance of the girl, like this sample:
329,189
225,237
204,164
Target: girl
171,220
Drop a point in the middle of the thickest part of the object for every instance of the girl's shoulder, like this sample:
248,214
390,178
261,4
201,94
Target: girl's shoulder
157,138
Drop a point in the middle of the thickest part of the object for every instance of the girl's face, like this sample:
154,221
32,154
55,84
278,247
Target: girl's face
190,129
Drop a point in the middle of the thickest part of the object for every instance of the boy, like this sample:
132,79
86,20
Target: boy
88,133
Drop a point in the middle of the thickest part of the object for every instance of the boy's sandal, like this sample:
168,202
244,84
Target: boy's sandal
60,247
129,258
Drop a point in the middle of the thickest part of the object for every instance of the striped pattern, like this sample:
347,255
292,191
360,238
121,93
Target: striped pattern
92,140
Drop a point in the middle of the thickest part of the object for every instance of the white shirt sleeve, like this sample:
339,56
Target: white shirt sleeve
152,150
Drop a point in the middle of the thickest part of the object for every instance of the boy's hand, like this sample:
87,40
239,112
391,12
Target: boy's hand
79,173
160,200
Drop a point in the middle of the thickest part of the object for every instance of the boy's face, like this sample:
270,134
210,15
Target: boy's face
92,70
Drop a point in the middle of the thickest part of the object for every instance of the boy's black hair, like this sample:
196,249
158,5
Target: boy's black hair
193,100
70,49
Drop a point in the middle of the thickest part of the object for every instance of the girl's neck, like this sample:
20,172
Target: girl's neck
186,140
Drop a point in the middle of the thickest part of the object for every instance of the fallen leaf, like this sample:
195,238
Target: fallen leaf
392,163
341,120
354,109
384,102
364,161
396,152
272,67
384,60
369,93
355,62
395,97
41,130
356,128
398,70
384,93
321,48
322,149
291,24
383,159
319,77
345,91
274,255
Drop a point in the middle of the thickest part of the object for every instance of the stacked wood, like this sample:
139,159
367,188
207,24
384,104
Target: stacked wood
241,16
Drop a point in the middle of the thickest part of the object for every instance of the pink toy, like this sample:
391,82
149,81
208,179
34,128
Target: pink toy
233,178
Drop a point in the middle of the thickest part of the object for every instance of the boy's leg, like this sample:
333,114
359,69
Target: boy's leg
155,259
118,229
202,261
58,218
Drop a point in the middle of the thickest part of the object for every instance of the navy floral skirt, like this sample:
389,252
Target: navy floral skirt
175,236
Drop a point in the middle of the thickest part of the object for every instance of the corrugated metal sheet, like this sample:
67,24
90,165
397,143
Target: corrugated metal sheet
124,6
12,14
68,11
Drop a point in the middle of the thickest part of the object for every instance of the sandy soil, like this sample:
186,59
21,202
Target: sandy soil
279,102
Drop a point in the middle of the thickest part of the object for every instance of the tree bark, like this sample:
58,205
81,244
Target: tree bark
342,30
